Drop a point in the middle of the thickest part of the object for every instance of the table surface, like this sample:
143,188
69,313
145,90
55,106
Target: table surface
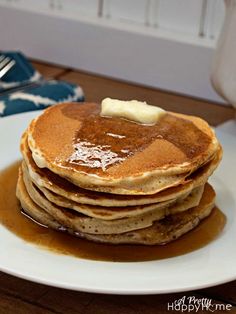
20,296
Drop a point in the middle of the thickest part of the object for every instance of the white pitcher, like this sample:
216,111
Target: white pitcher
223,74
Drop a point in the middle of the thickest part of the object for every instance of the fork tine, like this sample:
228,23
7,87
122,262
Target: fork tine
2,57
4,62
7,68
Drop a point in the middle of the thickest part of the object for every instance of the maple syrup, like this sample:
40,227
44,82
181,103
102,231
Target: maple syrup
95,148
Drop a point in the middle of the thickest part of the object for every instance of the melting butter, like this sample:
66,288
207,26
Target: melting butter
133,110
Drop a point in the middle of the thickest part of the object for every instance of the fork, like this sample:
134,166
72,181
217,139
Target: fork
6,64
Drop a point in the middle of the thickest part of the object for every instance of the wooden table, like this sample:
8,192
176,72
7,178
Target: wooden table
19,296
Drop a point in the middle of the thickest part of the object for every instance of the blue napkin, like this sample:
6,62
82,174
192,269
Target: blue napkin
24,89
20,74
39,97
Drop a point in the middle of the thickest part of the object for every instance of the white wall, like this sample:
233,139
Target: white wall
161,43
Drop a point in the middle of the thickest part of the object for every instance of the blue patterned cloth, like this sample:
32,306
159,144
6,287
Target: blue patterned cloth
21,73
23,89
39,97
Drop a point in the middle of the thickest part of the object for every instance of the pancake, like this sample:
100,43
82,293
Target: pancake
35,212
161,232
100,212
44,178
112,180
166,230
64,193
79,222
116,156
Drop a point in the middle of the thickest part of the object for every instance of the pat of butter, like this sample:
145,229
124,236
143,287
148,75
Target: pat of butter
133,110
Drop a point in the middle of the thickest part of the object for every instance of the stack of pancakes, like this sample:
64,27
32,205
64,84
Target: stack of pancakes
116,181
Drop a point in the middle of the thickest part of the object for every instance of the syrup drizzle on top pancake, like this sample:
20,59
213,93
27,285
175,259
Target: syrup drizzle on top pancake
102,142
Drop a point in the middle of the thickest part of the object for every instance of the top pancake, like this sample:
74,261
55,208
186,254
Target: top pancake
44,178
119,156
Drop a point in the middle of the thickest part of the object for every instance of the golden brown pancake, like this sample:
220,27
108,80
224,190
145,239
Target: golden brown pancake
35,212
100,212
116,181
64,193
118,156
161,232
79,222
44,178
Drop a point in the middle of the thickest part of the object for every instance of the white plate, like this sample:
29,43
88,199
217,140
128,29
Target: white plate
214,264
